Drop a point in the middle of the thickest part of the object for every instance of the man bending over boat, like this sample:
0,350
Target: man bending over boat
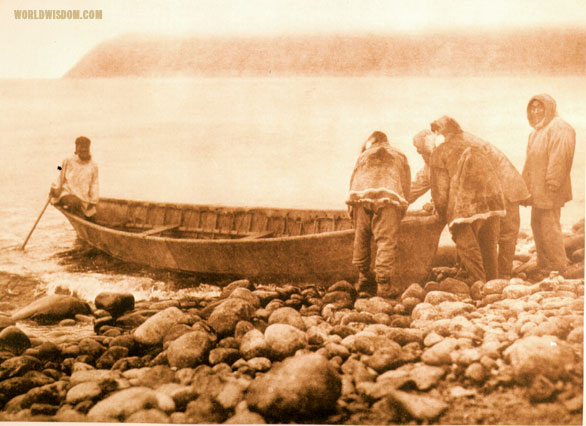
512,184
77,187
467,194
377,202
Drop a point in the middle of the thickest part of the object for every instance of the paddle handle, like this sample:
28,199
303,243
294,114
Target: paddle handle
35,225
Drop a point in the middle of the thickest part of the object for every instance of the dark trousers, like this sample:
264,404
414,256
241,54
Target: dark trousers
549,241
509,231
476,245
382,223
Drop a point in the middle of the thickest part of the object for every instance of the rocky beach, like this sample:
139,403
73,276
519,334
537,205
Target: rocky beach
500,352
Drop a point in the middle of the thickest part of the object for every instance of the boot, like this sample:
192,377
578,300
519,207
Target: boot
366,285
386,289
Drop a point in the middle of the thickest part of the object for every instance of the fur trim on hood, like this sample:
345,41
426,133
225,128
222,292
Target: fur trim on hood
550,110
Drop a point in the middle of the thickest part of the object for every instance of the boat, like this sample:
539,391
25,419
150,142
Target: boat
295,245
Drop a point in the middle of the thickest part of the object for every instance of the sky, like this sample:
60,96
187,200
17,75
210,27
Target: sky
41,48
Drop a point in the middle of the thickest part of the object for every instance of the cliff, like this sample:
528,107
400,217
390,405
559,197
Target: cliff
561,51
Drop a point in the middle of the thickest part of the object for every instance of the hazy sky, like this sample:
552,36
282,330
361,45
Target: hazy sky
48,48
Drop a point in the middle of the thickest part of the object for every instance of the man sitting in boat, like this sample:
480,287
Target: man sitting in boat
514,190
77,187
424,142
377,202
467,194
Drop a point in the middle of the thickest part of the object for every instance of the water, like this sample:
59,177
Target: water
283,142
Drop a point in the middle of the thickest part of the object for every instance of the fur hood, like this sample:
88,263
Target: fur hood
550,110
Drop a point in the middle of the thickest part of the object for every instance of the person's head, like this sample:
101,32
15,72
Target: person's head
375,137
82,148
445,126
424,142
541,109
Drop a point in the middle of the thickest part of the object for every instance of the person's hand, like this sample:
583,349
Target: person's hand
429,207
53,192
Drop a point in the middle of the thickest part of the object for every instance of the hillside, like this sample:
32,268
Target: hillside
561,51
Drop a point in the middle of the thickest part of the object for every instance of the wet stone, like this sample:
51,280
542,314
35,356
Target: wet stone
13,339
115,303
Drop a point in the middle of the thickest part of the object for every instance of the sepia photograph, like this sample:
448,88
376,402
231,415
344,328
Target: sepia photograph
292,211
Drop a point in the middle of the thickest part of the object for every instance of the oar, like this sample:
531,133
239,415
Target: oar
35,225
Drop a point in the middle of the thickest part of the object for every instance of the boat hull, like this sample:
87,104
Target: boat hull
320,256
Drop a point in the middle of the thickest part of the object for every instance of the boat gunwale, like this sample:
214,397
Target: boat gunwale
408,219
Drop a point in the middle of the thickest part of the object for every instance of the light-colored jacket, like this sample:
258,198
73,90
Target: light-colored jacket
381,175
79,178
550,153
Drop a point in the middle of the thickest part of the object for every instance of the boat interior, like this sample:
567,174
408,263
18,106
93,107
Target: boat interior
215,222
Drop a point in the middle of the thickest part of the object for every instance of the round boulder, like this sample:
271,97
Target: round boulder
301,387
189,350
115,303
14,340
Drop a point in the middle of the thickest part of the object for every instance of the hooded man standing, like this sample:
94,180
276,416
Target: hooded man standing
550,153
379,188
77,187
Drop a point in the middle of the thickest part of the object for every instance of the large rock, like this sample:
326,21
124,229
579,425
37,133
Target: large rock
545,355
18,366
189,350
14,340
247,295
51,309
154,329
227,314
284,339
301,387
115,303
122,404
253,344
289,316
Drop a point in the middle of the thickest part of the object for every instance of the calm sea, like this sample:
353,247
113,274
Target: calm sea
287,142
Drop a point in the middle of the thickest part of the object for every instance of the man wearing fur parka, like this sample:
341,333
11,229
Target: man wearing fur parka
467,194
513,186
377,202
550,153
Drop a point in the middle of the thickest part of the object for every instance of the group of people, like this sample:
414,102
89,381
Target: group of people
475,190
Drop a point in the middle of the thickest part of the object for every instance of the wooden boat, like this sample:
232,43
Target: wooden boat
261,243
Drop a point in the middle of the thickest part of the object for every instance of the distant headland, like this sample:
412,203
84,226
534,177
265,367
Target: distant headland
535,51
